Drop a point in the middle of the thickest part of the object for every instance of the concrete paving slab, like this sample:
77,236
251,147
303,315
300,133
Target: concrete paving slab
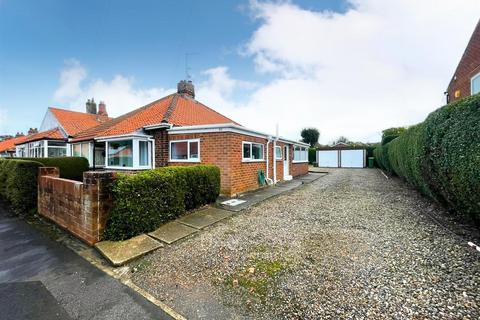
171,232
257,196
204,218
120,252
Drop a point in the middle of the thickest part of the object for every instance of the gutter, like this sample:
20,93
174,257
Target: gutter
229,127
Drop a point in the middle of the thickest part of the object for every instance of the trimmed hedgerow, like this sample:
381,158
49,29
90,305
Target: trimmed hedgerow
146,200
312,155
407,157
441,156
70,167
381,157
18,180
453,155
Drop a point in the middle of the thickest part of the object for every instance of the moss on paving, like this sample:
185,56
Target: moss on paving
258,283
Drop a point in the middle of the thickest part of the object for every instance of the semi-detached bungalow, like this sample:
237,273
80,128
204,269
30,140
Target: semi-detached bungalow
57,127
179,130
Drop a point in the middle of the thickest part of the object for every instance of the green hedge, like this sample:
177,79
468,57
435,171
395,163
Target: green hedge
441,156
312,155
146,200
18,184
70,167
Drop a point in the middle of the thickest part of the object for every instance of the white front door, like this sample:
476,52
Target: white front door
286,163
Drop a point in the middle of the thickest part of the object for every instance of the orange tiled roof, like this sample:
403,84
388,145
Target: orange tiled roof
74,122
9,145
52,134
175,109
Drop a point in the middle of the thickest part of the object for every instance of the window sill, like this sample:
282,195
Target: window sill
127,168
300,161
248,161
187,161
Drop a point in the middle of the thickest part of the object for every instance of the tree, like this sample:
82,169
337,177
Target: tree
391,133
310,136
341,139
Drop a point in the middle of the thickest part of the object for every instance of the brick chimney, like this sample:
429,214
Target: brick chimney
186,88
32,131
102,109
91,106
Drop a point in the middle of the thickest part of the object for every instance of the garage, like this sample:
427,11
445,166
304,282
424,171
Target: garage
352,158
327,158
341,157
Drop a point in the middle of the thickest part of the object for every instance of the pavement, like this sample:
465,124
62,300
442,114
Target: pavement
252,198
42,279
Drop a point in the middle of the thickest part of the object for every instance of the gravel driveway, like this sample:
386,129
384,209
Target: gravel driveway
350,245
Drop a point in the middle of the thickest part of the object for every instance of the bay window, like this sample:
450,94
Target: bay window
120,153
252,151
185,150
127,153
300,154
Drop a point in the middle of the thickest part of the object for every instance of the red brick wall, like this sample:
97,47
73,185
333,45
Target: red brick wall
80,208
161,147
213,150
468,67
224,149
299,169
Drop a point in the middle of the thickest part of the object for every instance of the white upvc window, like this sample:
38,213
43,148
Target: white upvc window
475,84
128,153
300,154
82,149
252,151
278,153
36,149
184,150
56,148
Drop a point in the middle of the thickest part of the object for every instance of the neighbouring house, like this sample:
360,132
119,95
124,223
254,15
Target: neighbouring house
57,127
7,147
466,79
179,130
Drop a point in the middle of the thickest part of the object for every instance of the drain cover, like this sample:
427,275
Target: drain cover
233,202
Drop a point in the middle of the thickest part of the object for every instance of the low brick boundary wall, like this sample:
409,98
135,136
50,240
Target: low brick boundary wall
80,207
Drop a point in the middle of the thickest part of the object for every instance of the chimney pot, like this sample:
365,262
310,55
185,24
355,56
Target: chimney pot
91,106
186,88
102,109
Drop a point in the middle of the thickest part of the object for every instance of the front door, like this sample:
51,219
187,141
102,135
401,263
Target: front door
286,162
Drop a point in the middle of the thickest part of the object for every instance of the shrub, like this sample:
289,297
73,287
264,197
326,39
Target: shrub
70,167
441,156
202,184
146,200
18,180
312,155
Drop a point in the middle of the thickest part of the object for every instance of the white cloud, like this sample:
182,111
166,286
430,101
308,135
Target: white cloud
379,64
71,77
119,93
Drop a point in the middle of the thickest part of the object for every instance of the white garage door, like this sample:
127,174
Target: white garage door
327,158
352,158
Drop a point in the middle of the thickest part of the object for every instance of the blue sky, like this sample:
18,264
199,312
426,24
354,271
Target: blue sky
247,57
146,40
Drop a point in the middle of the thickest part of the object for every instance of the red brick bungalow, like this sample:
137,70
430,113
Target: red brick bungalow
466,79
179,130
57,127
